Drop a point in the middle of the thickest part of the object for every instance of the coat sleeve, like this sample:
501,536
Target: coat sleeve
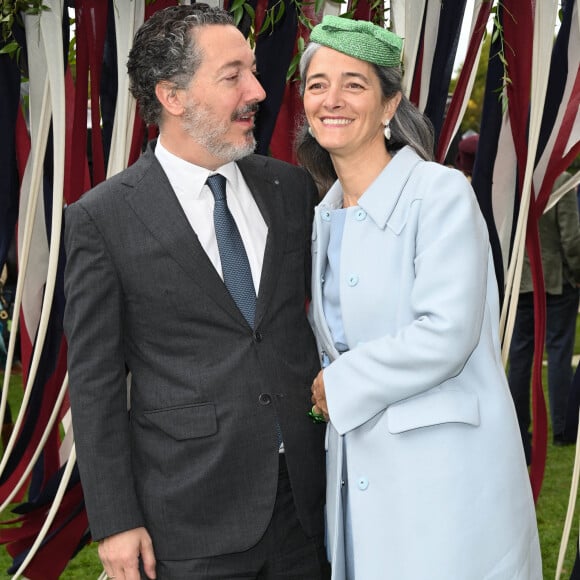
97,377
447,304
569,228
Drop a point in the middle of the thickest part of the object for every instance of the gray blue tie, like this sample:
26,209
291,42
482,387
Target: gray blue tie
235,265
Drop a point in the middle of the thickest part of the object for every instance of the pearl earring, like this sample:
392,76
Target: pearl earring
387,129
310,131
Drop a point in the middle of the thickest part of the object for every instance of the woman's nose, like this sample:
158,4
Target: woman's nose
333,98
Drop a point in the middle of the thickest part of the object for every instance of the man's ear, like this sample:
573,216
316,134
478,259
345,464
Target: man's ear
170,97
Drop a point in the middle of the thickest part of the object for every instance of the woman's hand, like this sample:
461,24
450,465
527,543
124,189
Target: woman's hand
319,396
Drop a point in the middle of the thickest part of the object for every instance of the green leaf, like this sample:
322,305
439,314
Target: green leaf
237,5
318,4
292,67
10,48
281,10
305,21
250,10
266,23
237,15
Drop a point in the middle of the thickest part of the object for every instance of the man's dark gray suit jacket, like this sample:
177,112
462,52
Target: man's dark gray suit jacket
196,459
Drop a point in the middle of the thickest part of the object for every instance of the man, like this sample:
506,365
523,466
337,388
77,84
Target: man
559,230
216,471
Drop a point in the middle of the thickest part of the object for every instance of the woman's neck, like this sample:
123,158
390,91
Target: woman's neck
356,176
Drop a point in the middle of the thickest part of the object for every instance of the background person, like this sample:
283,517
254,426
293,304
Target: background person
216,471
426,474
559,230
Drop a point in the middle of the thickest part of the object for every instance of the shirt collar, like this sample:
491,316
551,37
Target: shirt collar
187,177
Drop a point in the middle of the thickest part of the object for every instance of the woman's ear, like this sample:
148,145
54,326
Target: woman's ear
170,97
392,104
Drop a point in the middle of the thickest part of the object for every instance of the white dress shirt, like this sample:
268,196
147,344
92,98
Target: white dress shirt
189,184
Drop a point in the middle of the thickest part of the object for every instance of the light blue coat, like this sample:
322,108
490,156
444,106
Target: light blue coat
423,439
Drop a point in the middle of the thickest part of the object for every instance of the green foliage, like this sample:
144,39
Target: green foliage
472,117
498,34
274,15
12,11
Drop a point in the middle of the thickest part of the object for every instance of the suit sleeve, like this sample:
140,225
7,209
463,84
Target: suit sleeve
97,377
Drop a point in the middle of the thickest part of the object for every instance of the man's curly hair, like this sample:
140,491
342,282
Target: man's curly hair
164,49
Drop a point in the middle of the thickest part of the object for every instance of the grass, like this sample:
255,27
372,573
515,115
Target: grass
553,501
551,511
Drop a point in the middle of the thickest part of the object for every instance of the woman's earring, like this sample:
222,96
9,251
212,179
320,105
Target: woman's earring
387,129
310,131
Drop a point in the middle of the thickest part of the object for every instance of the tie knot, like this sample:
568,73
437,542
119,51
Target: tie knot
217,184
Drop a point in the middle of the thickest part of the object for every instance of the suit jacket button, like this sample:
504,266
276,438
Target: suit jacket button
258,336
264,399
363,483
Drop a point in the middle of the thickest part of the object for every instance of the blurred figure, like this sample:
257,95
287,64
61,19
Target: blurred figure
559,230
466,151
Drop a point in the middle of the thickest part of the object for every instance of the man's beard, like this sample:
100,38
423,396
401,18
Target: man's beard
197,122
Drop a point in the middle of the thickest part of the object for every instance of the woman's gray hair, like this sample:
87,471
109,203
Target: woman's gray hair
408,126
164,49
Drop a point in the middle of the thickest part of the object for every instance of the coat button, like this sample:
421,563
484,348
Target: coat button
258,336
360,215
353,280
264,399
362,483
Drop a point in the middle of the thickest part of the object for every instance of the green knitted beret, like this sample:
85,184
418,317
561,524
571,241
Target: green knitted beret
360,39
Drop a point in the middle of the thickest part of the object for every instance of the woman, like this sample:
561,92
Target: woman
426,473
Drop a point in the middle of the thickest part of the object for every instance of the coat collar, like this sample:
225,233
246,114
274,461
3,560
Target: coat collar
381,198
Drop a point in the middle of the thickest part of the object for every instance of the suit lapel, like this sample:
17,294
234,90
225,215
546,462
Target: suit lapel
267,191
151,197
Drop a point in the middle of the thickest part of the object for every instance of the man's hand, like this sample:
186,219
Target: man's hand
120,554
319,396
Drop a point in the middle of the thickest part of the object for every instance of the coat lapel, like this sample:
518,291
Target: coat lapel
151,197
266,187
